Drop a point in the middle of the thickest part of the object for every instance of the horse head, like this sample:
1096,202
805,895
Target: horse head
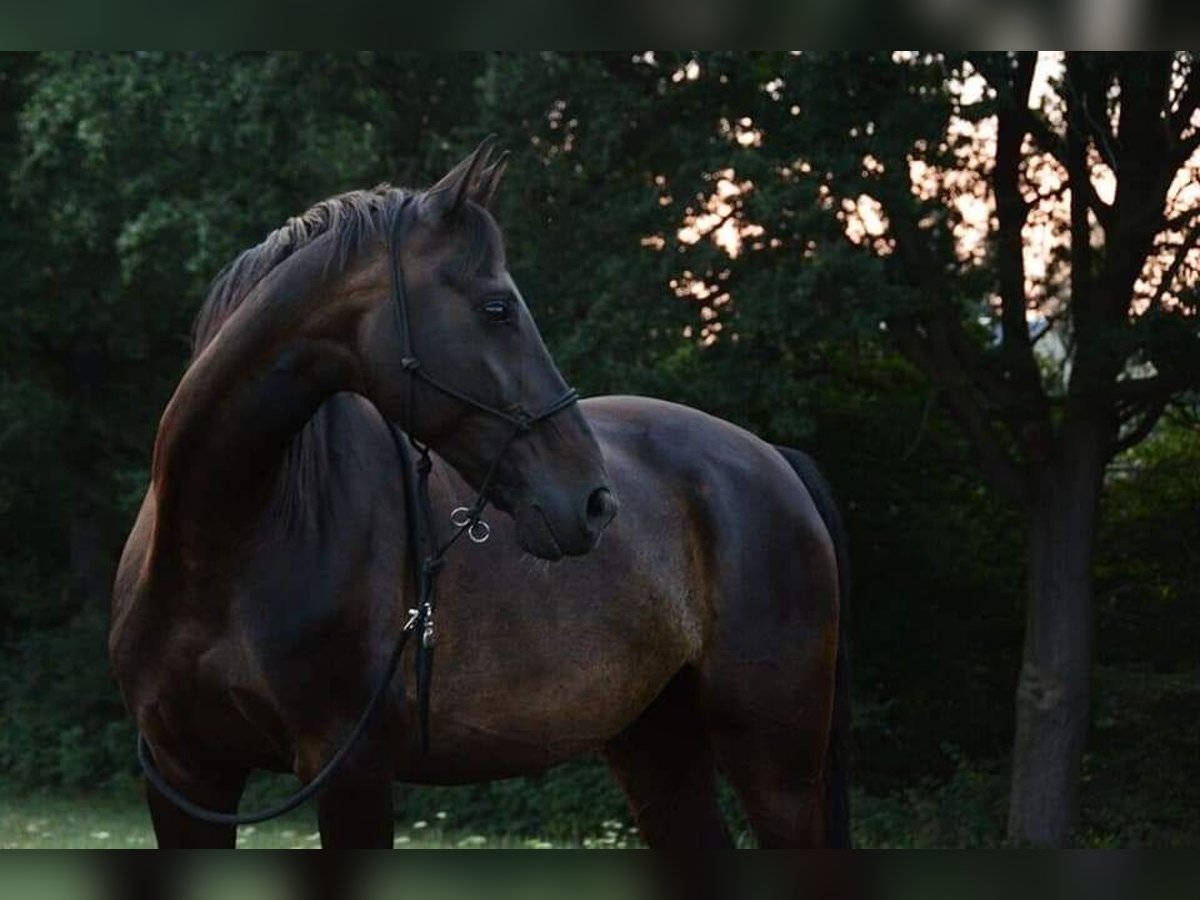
456,359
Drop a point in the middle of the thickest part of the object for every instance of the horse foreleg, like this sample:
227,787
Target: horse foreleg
665,766
175,829
356,814
355,810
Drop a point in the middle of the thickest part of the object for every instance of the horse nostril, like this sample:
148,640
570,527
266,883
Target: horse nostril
601,508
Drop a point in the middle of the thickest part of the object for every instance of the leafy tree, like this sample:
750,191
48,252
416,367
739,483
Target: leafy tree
841,142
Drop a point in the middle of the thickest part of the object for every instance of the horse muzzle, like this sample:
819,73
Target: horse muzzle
551,528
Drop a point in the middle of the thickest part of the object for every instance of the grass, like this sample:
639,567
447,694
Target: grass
104,821
367,877
119,820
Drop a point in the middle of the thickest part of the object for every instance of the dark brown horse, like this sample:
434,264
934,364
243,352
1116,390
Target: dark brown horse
264,583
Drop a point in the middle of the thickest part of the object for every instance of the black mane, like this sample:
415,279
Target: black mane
354,218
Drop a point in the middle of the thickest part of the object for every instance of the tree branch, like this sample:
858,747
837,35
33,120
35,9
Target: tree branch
1011,214
1146,392
1083,95
1084,305
1145,425
1183,218
1181,118
1189,100
1184,411
1045,137
1055,194
925,411
1018,399
956,395
947,334
1190,240
1051,321
1186,148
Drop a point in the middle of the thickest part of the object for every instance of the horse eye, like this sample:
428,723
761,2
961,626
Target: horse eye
498,309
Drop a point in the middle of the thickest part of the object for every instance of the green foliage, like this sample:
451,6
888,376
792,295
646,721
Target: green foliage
571,803
1140,772
966,810
63,723
937,568
1147,570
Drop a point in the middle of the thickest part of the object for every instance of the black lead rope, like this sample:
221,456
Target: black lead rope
426,560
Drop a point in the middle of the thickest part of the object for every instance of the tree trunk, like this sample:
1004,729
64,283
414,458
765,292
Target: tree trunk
1053,690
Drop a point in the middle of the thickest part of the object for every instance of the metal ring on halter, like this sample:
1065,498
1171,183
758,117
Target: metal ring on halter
477,529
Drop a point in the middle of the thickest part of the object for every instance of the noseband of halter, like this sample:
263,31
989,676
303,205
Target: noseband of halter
426,558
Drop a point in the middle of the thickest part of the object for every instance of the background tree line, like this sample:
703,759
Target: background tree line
880,257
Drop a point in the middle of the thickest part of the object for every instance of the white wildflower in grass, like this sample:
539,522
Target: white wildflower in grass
315,836
101,835
539,845
419,824
440,815
473,840
288,832
33,828
247,829
401,839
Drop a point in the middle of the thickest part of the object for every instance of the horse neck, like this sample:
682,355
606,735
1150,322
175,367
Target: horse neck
220,443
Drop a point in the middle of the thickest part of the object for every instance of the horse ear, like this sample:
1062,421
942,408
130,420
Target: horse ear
489,180
444,201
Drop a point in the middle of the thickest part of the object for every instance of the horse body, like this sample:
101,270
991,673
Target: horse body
714,550
266,580
703,631
715,589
